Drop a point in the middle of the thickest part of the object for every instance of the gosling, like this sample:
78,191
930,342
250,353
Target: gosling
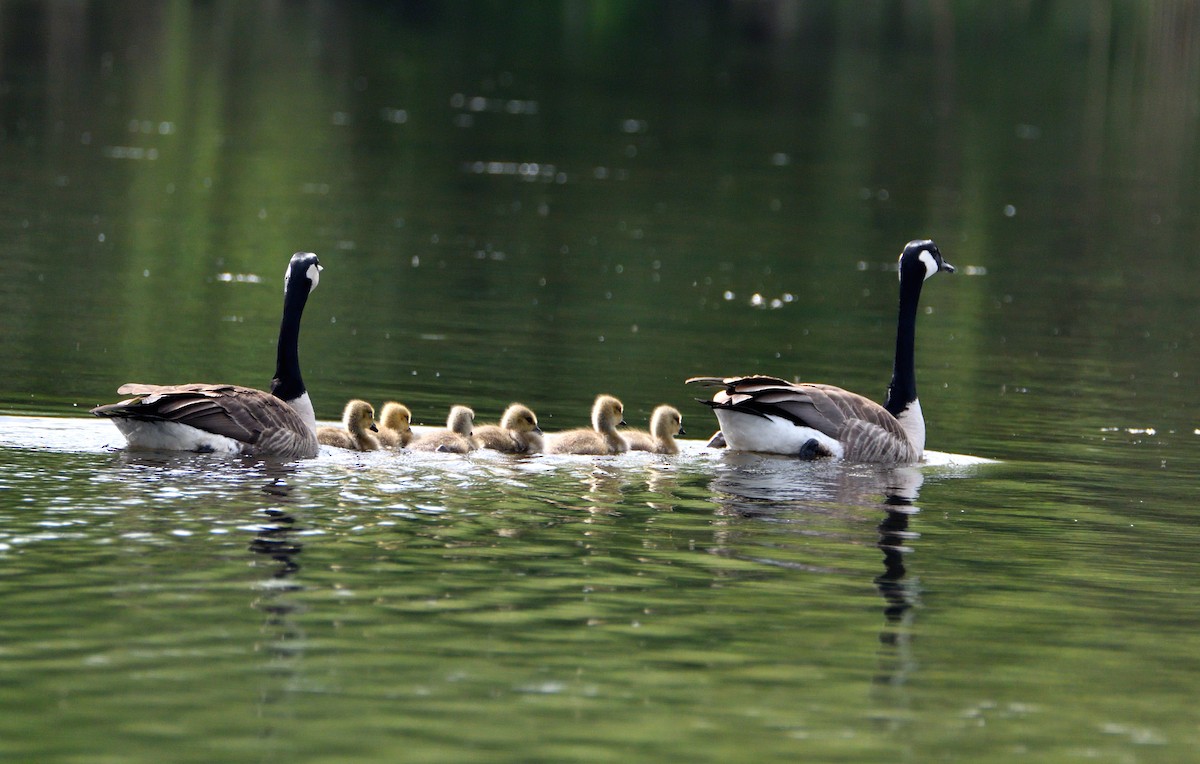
395,430
517,433
607,415
455,439
665,424
359,421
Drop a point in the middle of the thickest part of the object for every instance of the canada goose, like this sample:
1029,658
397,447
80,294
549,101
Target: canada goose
517,433
227,418
394,425
358,422
665,423
603,438
809,420
455,439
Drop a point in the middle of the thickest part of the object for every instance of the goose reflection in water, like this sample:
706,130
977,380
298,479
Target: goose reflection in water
283,639
763,486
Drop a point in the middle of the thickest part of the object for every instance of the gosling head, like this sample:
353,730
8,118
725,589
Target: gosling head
359,416
461,420
607,413
396,416
520,418
666,422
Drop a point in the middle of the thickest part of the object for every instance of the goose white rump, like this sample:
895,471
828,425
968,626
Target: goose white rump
771,434
172,436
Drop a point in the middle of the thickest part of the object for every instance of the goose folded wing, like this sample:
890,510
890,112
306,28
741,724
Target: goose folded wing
868,431
805,405
286,441
861,424
865,441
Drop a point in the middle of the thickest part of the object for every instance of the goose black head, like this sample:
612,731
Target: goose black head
303,265
922,258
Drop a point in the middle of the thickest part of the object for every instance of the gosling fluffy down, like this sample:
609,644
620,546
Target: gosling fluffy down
517,433
455,439
607,414
395,425
665,424
357,434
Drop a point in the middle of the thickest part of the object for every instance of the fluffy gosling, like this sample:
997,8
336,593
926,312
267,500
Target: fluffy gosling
358,419
395,430
665,424
603,438
455,439
517,433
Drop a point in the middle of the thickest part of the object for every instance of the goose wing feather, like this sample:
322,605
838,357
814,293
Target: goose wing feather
747,384
868,442
263,422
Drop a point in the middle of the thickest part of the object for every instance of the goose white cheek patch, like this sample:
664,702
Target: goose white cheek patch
313,273
931,266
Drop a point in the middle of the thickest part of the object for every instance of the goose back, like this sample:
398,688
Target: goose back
249,421
843,423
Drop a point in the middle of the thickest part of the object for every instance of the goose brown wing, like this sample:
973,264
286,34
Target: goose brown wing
256,418
867,442
771,396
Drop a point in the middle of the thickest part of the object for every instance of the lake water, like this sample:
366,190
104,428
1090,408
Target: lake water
546,202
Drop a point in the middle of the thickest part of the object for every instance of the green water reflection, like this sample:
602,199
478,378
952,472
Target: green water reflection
545,201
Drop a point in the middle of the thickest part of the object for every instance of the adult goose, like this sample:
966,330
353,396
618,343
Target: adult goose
358,429
227,418
608,414
809,420
665,423
517,433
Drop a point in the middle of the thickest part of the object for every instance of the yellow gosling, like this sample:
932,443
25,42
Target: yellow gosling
395,425
517,433
603,438
455,439
665,424
357,435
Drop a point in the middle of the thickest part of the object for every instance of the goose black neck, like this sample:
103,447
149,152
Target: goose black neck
903,388
288,385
